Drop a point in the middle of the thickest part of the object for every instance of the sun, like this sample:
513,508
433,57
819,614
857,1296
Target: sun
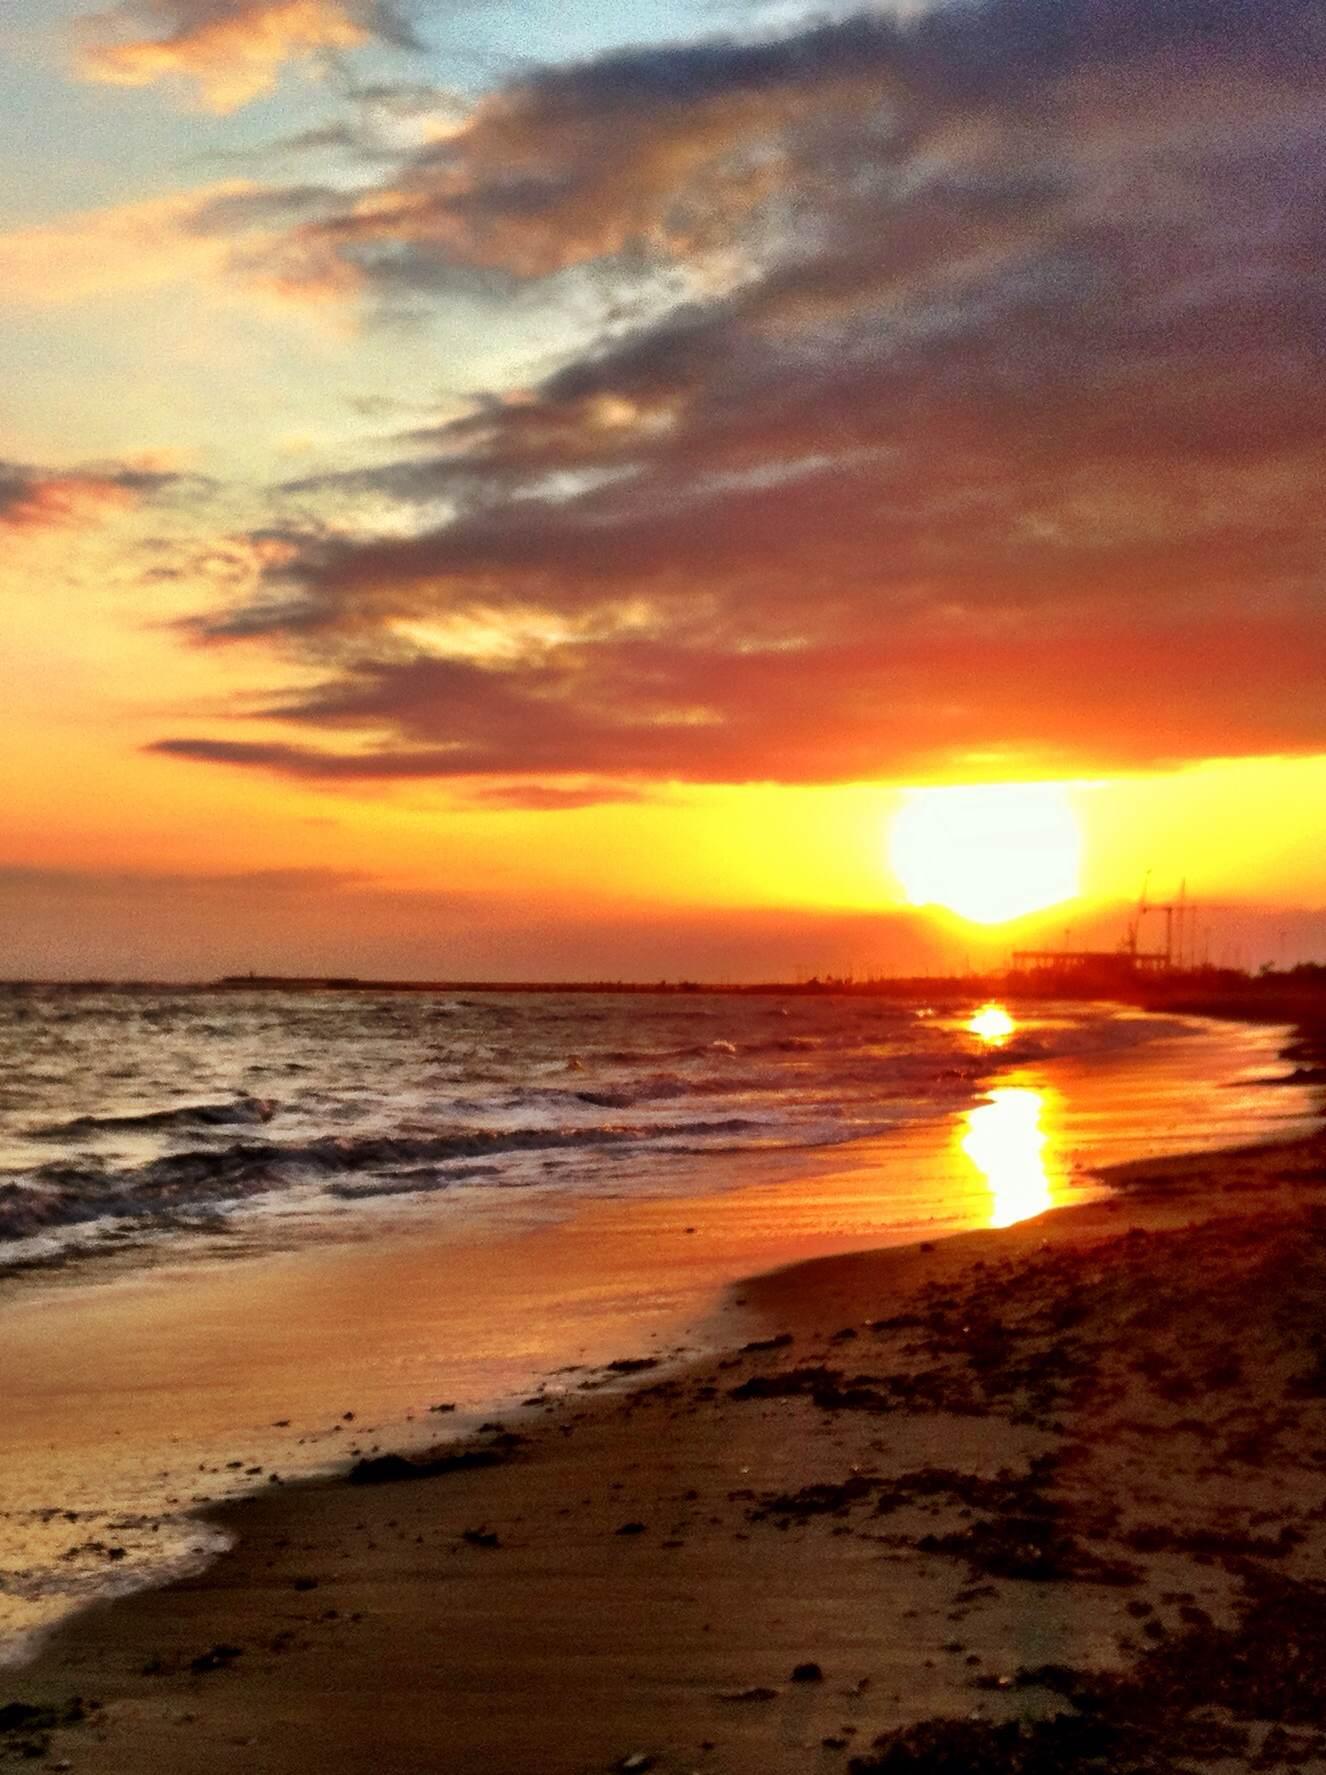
991,852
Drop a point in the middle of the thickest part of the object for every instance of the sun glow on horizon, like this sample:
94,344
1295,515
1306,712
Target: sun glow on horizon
989,852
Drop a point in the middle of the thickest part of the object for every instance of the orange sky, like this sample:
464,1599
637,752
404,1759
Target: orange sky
548,521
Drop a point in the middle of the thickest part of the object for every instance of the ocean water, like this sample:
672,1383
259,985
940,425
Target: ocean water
245,1235
140,1120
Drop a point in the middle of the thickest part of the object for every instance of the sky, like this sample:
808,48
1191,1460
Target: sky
536,490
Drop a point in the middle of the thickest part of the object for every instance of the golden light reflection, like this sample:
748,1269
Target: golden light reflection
992,1023
1006,1139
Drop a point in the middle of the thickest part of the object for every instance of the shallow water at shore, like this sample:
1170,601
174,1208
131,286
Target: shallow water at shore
134,1394
140,1122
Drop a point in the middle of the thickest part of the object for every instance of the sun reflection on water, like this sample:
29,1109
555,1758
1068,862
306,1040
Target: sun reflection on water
992,1023
1005,1138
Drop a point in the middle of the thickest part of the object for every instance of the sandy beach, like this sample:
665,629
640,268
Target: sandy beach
1048,1497
144,1390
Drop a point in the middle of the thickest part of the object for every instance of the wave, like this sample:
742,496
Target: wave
449,1095
70,1194
238,1112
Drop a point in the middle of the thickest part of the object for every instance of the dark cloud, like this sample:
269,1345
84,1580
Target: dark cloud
365,129
558,798
33,498
988,435
236,212
670,149
304,761
1132,693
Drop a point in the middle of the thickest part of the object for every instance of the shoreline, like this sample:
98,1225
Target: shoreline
78,1265
327,1575
287,1365
95,1264
1305,1043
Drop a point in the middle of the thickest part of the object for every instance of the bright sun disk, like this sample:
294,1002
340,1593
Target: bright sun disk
989,852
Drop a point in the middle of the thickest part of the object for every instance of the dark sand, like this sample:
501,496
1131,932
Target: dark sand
1070,1475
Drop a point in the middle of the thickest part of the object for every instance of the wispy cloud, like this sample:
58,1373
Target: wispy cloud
228,234
121,248
232,51
35,498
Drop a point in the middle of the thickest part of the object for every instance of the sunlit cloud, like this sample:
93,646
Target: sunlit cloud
220,237
34,498
922,440
232,51
119,249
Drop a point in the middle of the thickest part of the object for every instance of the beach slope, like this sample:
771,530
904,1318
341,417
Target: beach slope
1052,1497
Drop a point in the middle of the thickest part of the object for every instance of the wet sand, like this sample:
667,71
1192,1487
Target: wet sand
1045,1498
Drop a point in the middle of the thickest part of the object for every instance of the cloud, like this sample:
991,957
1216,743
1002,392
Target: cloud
232,50
304,761
232,233
458,762
962,411
557,797
120,249
657,150
34,498
693,149
903,706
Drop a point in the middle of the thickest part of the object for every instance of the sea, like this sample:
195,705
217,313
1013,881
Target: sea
225,1212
